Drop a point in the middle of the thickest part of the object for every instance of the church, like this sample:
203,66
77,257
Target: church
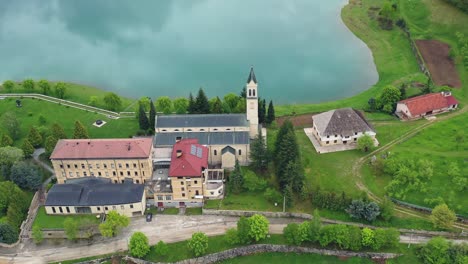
227,136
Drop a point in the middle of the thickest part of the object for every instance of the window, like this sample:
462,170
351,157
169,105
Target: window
121,173
168,197
115,181
254,92
164,130
328,142
197,192
196,182
143,173
82,166
97,166
215,152
112,165
334,141
90,166
53,210
60,209
179,178
201,129
61,166
122,181
136,173
228,129
127,166
68,209
355,133
189,129
328,136
160,197
105,166
64,174
131,206
76,166
250,92
355,139
92,174
176,130
128,173
215,129
120,165
138,181
142,165
240,152
181,183
107,174
134,165
77,174
106,208
84,173
68,166
336,135
122,207
183,195
71,174
98,208
99,173
182,189
114,207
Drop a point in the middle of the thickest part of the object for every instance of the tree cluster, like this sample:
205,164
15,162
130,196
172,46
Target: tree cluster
14,203
251,229
439,250
45,87
330,200
112,102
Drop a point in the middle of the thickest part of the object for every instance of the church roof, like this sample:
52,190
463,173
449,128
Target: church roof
201,120
344,122
188,159
204,138
252,76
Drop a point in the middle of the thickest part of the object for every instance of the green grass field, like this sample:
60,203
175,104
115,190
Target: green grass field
56,221
280,258
28,116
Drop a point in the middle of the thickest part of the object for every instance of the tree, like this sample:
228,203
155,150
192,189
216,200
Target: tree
403,91
253,183
365,143
259,153
443,217
50,143
114,222
45,86
80,131
217,106
8,234
386,238
337,234
272,195
296,174
191,108
58,132
181,105
236,179
201,103
8,157
11,195
152,115
139,245
243,228
60,90
292,234
6,141
34,137
271,114
389,97
435,251
428,87
198,244
11,124
231,100
164,104
27,148
28,85
258,227
8,85
261,111
287,158
355,238
26,175
386,209
313,228
361,210
15,215
112,102
367,237
37,235
142,118
71,228
93,101
231,236
372,104
161,248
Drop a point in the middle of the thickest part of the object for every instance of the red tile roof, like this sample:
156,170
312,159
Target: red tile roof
193,157
103,148
424,103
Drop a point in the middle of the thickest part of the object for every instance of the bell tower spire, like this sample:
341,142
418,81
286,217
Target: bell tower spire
252,102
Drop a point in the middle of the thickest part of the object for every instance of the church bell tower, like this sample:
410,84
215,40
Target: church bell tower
252,103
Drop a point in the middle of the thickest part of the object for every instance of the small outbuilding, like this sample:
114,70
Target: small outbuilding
426,105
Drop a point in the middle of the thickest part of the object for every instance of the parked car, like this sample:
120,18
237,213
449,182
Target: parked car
149,217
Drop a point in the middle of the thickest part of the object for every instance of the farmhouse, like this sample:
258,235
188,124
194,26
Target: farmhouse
96,196
224,135
338,130
428,104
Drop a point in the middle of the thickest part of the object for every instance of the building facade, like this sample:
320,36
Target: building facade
113,159
425,105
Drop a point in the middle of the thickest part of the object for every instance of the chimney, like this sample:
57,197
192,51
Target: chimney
179,153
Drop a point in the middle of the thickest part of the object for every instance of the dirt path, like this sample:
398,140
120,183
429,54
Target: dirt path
356,171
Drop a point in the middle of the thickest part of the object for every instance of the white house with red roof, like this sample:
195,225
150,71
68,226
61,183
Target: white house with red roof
424,105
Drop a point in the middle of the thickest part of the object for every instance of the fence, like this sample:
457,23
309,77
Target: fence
460,218
422,65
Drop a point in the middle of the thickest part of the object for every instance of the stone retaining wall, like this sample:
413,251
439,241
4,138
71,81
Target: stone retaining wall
261,248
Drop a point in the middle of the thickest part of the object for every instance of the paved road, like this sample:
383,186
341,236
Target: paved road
169,228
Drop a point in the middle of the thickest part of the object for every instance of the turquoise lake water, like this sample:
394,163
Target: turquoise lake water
301,50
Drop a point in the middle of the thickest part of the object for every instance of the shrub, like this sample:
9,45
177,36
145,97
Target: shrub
360,210
385,238
443,217
258,227
37,235
161,248
252,182
231,237
198,244
243,227
435,251
8,234
367,237
139,245
292,234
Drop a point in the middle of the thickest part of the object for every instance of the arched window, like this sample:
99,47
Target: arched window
253,92
240,152
250,92
215,152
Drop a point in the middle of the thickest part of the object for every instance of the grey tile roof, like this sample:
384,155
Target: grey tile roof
204,138
344,122
228,149
94,192
203,120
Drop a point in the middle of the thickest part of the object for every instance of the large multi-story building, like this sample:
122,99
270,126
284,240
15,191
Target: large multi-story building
114,159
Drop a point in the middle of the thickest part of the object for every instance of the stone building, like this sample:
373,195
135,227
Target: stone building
426,105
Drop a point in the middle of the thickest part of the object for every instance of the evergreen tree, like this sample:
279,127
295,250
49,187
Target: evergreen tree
192,107
296,175
261,111
58,132
152,115
217,107
80,131
201,102
35,137
403,92
288,196
142,118
50,143
236,179
259,153
27,148
287,158
243,93
6,141
271,114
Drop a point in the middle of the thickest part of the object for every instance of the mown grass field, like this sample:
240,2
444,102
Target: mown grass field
281,258
28,116
437,144
56,221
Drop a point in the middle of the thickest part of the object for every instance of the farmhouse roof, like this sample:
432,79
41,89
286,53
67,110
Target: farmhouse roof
344,122
93,192
252,76
102,148
425,103
202,120
204,138
188,159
